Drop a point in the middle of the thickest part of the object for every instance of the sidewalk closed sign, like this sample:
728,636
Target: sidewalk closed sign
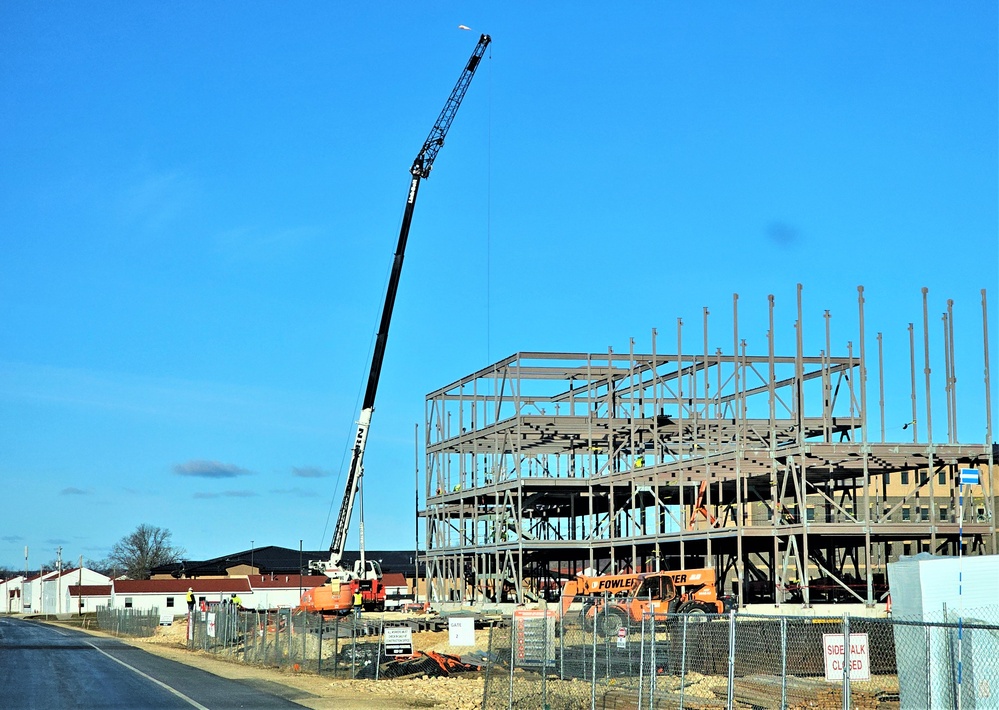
835,654
398,641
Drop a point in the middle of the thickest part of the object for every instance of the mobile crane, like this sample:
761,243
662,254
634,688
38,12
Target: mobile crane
336,596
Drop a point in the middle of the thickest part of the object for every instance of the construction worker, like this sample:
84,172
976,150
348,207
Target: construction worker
237,602
190,599
358,601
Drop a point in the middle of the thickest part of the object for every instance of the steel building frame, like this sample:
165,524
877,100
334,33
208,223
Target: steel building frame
762,466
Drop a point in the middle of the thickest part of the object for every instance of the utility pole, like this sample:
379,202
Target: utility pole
59,580
416,511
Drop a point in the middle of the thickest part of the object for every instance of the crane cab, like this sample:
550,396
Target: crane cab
370,570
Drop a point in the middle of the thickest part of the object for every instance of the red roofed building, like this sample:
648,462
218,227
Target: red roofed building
276,591
169,596
396,590
85,598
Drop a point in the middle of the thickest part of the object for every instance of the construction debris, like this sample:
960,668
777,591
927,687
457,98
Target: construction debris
427,663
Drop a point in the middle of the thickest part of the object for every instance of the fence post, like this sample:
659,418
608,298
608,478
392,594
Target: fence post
593,675
319,656
544,657
261,655
683,658
288,624
928,644
513,654
731,659
606,645
353,647
378,647
561,643
653,666
641,661
846,662
783,663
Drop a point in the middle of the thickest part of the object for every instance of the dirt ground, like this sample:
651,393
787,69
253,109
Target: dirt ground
320,693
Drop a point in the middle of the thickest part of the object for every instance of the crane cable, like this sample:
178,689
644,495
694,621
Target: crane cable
489,205
347,441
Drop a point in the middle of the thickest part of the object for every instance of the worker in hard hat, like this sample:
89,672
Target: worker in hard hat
190,599
358,601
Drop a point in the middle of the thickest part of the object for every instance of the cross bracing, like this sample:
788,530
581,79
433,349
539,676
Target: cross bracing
762,466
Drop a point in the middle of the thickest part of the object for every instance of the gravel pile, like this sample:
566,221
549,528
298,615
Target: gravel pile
443,693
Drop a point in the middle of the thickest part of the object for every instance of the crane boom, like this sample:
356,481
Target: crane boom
421,169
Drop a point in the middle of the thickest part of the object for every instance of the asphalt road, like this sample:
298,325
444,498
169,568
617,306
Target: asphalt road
47,667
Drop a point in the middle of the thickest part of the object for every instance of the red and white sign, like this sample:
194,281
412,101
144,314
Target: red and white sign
834,652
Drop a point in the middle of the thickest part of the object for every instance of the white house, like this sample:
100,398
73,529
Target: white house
48,593
53,589
10,595
84,598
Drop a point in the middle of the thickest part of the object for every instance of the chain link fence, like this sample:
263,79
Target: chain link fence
612,654
128,622
342,647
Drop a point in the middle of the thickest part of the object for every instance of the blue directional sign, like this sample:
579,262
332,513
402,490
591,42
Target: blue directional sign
969,476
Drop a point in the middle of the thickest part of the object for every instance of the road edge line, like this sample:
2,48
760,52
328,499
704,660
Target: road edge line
192,702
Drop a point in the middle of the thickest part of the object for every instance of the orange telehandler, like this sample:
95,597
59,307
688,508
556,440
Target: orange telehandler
611,601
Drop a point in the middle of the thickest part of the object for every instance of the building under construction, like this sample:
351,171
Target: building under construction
773,469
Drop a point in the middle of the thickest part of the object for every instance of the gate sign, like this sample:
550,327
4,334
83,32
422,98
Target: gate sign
622,637
461,631
860,657
398,641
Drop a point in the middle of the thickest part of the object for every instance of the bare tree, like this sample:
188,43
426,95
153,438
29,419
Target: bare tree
144,548
104,566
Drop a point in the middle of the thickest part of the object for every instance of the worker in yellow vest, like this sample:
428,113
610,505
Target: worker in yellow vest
358,601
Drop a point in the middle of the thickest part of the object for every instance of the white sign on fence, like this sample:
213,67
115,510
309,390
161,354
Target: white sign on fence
211,624
834,651
461,631
398,641
534,635
622,637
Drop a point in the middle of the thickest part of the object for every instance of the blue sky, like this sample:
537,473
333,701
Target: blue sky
199,204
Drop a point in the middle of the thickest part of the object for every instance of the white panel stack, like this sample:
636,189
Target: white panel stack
952,591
